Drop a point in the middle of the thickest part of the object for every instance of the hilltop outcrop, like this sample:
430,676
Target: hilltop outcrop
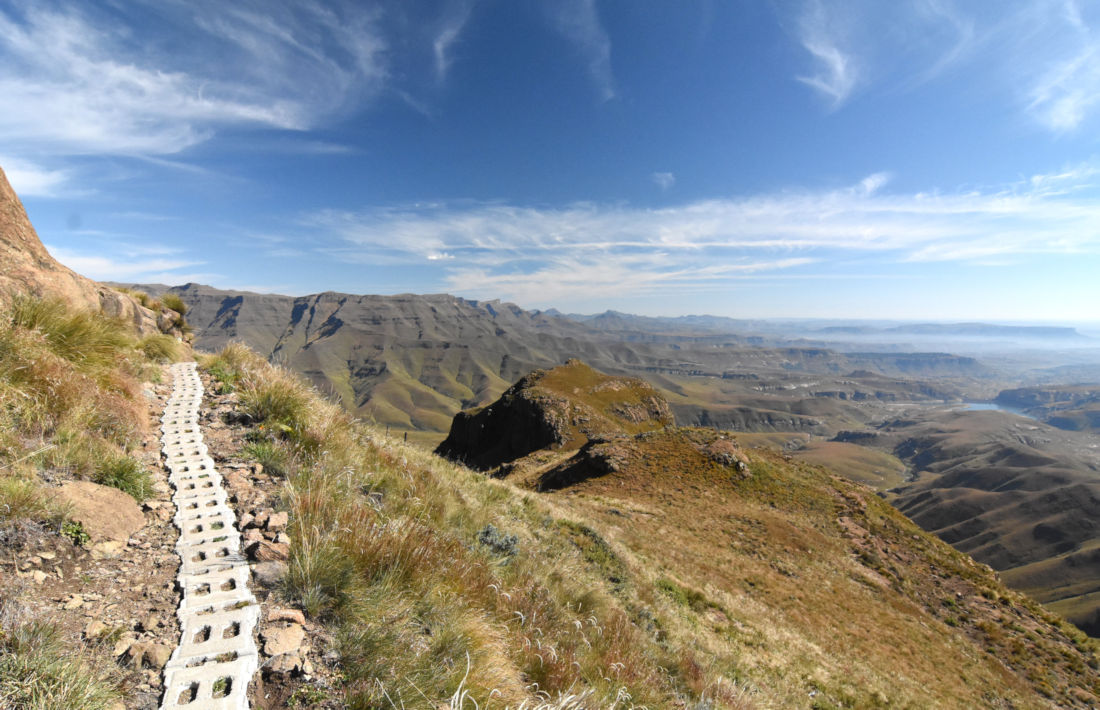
29,268
564,408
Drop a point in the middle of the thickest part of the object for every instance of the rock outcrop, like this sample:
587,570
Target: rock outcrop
562,408
26,267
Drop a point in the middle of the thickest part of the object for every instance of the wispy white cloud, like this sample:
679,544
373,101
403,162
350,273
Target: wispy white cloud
521,252
663,180
31,180
1069,91
134,265
447,35
75,81
835,72
579,22
1043,55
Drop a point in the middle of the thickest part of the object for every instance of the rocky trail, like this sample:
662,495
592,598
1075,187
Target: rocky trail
195,619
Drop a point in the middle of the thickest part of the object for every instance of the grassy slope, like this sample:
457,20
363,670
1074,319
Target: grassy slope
70,407
667,584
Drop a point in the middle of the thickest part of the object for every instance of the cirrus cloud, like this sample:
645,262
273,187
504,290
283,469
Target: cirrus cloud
532,253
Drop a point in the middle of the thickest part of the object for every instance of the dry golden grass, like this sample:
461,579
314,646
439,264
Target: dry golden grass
70,407
676,581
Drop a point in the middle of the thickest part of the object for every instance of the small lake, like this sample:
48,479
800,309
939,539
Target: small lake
993,406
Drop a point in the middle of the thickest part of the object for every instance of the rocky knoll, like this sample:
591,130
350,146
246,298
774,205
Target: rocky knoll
28,268
563,408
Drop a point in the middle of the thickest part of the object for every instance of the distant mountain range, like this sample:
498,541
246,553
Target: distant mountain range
413,361
787,329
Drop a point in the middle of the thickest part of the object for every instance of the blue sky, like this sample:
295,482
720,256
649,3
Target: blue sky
912,159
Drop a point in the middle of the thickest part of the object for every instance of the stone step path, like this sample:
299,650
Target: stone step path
217,656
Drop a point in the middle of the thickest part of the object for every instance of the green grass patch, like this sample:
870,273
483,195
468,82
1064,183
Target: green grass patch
173,302
272,455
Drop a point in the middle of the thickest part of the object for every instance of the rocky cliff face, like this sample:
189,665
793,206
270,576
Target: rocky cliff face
26,267
565,408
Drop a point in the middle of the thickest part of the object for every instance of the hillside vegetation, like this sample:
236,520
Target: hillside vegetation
667,568
70,408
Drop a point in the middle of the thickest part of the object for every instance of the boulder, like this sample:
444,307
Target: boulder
293,615
284,664
287,639
105,513
264,551
29,268
269,574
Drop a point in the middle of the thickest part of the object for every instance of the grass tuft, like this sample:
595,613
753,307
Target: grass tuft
126,474
173,302
38,669
161,347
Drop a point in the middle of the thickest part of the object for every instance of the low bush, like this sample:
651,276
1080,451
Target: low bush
278,398
82,337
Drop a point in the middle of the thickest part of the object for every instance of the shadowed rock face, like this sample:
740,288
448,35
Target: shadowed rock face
28,268
565,407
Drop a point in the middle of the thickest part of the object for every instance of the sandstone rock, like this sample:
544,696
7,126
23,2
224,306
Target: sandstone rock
47,555
148,655
293,615
94,629
106,514
246,521
75,602
253,535
29,268
264,551
149,623
123,645
261,518
38,576
108,549
277,522
283,640
284,664
269,574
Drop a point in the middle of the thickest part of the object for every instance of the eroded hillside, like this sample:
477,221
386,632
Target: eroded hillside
778,570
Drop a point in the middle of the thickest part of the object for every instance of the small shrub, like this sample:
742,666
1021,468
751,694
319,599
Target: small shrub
126,474
226,378
277,398
75,532
82,337
306,697
23,500
500,543
39,670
